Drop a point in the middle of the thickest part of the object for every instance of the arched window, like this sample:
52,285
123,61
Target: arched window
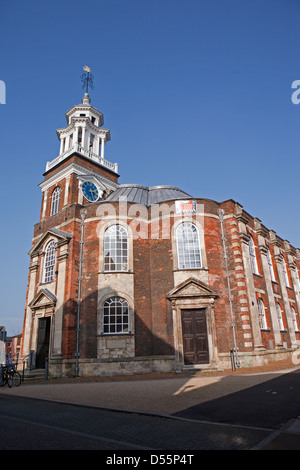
188,246
261,314
270,263
55,201
115,249
279,316
115,315
297,278
49,261
294,318
284,270
253,261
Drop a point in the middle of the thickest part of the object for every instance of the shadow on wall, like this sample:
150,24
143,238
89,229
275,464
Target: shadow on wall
148,340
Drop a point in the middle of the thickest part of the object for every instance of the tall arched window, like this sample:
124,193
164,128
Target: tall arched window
188,246
261,314
115,315
253,261
279,316
55,201
294,318
297,278
270,263
115,249
285,274
49,261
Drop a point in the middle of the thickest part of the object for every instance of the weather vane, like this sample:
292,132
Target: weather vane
87,79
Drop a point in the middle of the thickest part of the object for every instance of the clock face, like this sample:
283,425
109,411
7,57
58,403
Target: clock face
90,191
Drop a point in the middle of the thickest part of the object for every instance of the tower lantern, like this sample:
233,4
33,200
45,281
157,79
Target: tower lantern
84,133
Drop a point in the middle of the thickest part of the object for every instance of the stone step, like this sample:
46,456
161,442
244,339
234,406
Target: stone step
198,369
34,374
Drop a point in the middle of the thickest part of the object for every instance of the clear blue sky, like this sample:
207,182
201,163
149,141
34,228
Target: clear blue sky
197,94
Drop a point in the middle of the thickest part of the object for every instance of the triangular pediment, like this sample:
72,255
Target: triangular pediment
44,298
60,236
191,288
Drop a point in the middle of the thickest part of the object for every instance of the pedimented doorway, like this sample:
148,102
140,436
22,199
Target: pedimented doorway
194,324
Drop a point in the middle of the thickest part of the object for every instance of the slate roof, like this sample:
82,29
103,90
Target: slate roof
147,196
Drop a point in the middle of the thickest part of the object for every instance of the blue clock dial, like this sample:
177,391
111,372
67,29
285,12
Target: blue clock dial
90,191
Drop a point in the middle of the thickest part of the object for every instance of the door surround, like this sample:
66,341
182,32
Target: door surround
193,294
42,306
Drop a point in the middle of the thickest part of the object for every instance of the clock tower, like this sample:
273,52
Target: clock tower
78,177
80,173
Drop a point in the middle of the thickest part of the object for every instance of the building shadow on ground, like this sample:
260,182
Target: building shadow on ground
268,404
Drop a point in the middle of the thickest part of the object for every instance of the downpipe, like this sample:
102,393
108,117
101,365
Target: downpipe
77,353
235,362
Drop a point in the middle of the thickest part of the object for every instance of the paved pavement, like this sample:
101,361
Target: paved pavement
267,404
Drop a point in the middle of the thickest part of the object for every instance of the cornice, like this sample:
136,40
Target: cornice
241,217
263,249
89,124
83,107
244,237
78,169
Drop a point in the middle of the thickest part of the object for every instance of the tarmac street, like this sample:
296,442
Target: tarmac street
264,404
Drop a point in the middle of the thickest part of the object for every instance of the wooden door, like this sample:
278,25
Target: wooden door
195,340
42,349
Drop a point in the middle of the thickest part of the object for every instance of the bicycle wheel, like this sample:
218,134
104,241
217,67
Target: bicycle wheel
16,379
9,380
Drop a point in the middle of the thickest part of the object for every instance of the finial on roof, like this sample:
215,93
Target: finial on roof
86,99
87,79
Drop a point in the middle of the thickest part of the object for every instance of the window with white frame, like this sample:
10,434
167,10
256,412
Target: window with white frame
115,316
55,201
284,270
253,260
297,279
115,249
294,318
188,246
279,316
49,261
261,314
270,263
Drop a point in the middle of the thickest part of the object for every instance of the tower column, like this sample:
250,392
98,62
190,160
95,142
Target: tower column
61,145
102,147
83,137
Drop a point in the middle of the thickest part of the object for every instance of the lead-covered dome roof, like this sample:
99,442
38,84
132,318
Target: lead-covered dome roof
139,194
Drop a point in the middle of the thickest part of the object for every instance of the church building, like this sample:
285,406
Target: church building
128,279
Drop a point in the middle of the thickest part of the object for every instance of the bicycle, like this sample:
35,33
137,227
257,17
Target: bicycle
6,377
14,375
10,376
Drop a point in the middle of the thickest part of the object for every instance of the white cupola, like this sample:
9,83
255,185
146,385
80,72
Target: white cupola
84,135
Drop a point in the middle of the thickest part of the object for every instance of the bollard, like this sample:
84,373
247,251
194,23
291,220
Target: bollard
232,360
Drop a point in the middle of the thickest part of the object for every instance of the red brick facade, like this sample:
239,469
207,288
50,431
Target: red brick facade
156,289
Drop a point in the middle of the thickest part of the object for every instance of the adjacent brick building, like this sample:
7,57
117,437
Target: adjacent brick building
129,279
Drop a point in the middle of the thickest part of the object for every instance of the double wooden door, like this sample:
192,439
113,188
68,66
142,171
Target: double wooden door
195,339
